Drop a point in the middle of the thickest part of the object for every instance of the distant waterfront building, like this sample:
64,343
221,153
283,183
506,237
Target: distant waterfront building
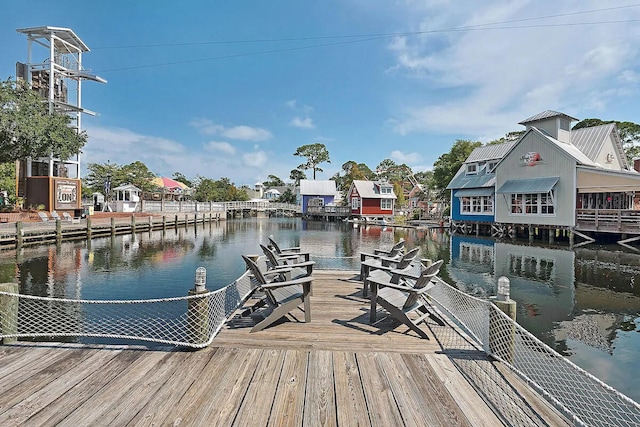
317,193
372,199
551,178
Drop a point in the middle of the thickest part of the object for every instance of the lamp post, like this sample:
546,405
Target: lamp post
107,192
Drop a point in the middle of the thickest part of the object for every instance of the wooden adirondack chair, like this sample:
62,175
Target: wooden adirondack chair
274,262
281,296
55,215
288,252
385,263
394,252
43,216
401,295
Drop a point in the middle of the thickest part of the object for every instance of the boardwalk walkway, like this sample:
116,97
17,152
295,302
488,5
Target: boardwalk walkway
336,370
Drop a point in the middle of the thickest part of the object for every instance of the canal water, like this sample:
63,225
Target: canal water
584,303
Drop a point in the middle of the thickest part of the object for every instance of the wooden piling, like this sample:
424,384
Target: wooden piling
89,228
9,311
113,226
133,223
19,237
58,230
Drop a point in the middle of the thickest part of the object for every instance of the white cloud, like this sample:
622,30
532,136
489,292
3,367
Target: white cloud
221,146
495,78
306,123
257,159
242,132
406,158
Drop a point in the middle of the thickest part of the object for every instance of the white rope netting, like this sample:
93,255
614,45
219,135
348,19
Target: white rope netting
189,321
579,395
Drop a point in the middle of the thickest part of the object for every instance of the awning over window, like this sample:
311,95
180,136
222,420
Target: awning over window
471,192
531,185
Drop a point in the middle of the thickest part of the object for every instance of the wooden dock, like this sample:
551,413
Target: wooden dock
336,370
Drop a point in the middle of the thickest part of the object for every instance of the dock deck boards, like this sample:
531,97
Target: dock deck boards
336,370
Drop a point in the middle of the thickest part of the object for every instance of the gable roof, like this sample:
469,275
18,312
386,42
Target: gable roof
480,179
371,189
591,140
490,152
548,114
310,187
569,149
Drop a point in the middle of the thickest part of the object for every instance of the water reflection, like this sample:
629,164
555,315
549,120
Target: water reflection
582,302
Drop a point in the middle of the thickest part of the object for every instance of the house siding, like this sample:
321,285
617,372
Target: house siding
456,215
554,162
305,201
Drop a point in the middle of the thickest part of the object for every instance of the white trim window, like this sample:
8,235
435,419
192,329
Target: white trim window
386,189
476,205
355,203
532,204
472,168
386,204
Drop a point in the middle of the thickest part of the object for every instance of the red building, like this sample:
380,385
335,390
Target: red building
372,199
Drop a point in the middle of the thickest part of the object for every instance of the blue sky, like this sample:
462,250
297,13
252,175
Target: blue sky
231,89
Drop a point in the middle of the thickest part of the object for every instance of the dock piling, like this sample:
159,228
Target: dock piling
9,312
502,333
198,309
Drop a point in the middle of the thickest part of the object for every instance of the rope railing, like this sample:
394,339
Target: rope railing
190,321
577,394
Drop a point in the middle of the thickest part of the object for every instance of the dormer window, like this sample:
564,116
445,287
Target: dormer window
385,190
472,168
491,166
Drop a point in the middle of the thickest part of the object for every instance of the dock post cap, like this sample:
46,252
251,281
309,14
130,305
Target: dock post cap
201,279
504,286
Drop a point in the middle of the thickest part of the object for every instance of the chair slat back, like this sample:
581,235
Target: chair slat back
255,270
275,246
407,258
422,281
271,256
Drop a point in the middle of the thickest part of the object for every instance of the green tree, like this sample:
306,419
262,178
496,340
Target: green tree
629,135
273,181
315,153
448,164
27,129
138,174
287,197
223,190
97,176
8,181
296,175
181,178
352,171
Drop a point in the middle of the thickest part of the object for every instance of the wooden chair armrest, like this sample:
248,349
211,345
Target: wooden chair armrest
298,281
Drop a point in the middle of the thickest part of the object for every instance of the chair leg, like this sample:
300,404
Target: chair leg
401,316
277,314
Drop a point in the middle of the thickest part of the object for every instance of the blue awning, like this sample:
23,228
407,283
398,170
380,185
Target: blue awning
528,186
470,192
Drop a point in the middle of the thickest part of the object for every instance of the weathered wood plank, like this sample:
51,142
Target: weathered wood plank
55,412
261,392
232,382
383,410
143,390
471,405
320,403
164,401
59,379
92,410
14,391
437,404
199,392
288,403
351,406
